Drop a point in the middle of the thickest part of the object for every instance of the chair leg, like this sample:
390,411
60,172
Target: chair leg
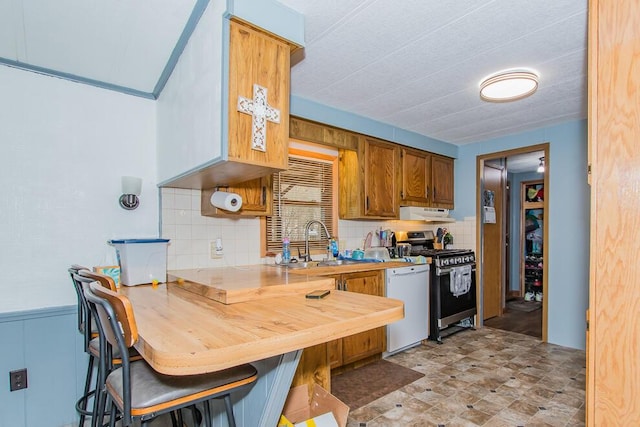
229,408
207,414
113,414
197,416
81,405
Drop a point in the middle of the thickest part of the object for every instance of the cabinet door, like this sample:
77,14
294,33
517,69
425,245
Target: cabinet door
442,182
256,58
368,343
256,199
416,180
380,178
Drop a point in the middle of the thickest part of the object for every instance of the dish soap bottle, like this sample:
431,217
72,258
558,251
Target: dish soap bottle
286,251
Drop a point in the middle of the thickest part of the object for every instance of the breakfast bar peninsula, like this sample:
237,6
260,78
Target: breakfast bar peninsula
211,319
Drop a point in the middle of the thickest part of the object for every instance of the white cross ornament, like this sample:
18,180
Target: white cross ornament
261,112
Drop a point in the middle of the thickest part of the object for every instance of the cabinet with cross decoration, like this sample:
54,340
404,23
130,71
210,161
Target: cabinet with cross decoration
224,118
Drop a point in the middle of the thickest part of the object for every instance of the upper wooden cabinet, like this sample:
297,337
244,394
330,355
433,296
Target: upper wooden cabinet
259,72
319,133
222,129
427,179
368,180
442,182
257,199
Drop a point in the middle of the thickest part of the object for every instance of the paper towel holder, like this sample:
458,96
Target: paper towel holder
235,203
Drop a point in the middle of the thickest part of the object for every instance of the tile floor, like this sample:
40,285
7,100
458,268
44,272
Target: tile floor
487,377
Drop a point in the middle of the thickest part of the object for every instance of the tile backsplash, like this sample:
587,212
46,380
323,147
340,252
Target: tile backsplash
192,234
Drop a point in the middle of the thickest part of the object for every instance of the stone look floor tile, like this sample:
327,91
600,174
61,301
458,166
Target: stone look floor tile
488,378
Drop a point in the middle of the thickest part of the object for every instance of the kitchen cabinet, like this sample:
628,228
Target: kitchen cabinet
257,199
365,344
532,221
368,180
319,133
427,179
220,128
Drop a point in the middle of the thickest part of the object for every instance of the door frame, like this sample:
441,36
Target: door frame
480,159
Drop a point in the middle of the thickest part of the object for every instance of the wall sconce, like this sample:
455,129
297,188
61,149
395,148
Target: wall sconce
541,166
131,188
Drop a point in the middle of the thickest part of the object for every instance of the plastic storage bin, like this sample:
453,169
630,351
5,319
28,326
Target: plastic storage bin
141,260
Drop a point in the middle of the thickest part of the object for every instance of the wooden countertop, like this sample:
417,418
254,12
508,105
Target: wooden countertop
181,333
230,285
349,268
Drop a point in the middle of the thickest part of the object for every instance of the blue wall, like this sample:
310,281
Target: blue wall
567,219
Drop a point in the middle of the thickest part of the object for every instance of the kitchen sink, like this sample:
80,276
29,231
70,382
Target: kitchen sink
313,264
336,262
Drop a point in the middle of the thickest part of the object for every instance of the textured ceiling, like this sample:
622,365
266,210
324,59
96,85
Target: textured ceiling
413,64
417,64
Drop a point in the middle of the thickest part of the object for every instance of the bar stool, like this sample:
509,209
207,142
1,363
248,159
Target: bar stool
81,277
89,331
137,392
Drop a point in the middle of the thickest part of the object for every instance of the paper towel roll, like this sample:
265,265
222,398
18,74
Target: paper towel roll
228,201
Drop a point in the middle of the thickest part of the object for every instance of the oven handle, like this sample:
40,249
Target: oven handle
443,271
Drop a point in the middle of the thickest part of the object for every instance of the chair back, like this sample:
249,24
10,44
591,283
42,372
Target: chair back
104,280
82,303
114,313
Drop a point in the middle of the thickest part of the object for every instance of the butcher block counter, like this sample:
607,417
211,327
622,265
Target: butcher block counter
347,268
182,331
230,285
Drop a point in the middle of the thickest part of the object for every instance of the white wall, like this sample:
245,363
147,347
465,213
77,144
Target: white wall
64,147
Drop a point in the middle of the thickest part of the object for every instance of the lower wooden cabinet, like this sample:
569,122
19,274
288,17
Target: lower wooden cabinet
369,343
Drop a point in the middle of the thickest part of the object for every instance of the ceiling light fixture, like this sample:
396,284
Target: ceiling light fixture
508,85
541,165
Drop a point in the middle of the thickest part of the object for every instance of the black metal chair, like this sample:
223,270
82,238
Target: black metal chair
135,390
89,332
81,277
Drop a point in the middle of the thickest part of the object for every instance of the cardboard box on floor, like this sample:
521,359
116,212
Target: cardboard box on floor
298,409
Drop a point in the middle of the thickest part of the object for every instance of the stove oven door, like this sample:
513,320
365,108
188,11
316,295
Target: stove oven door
458,301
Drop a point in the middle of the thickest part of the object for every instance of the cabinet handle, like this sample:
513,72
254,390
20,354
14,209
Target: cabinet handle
264,195
344,285
367,202
426,193
434,193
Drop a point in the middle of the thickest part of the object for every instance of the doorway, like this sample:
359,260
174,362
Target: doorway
500,236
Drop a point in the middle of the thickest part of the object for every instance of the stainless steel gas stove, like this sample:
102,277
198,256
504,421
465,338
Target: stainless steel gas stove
452,293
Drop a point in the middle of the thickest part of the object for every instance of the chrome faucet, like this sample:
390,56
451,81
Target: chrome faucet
306,255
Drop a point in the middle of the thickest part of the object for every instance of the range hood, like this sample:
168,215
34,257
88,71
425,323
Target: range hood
425,214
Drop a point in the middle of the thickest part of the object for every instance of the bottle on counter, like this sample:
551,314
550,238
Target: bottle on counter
333,247
286,251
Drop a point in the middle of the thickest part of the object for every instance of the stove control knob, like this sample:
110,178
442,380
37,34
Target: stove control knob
459,260
467,258
445,262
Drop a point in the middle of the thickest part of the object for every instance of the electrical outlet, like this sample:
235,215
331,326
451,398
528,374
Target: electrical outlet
215,249
18,379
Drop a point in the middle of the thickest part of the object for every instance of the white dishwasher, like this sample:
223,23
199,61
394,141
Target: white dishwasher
410,285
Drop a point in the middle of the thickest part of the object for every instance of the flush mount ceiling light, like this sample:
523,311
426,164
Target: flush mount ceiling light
508,85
